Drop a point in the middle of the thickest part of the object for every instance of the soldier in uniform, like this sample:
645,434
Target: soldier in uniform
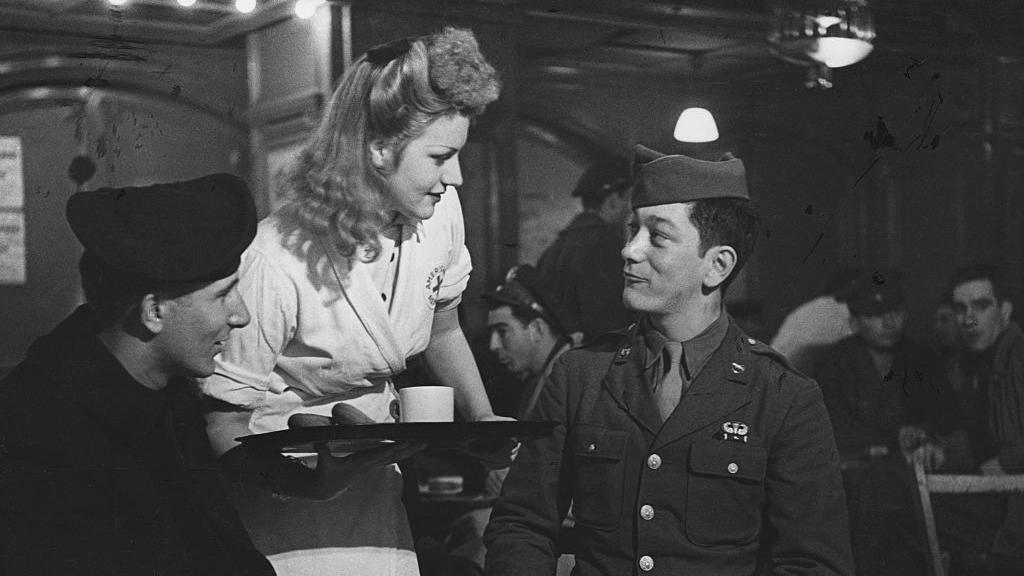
684,446
528,330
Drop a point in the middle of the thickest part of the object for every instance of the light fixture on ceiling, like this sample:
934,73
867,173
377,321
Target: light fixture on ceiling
187,3
696,125
306,8
822,34
245,6
117,2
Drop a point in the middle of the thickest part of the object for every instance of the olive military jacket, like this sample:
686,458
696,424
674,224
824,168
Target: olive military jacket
742,478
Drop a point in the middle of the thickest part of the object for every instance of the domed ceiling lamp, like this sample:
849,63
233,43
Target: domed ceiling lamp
821,34
696,125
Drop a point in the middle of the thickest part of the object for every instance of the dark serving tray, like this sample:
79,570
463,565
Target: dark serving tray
351,438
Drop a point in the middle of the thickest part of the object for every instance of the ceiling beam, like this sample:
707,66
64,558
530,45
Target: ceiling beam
67,5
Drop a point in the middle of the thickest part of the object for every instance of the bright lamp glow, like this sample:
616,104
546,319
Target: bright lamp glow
833,33
117,2
826,21
245,6
696,125
306,8
839,52
187,3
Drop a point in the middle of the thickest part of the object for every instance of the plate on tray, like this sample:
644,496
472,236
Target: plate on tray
352,438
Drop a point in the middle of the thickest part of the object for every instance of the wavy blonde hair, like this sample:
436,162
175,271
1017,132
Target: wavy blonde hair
391,94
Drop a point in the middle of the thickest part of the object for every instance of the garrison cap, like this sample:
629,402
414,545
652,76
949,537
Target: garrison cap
178,232
671,178
876,293
525,287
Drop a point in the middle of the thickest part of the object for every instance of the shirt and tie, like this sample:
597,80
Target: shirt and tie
672,366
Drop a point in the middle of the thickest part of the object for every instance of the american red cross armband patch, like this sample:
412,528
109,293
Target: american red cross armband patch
433,284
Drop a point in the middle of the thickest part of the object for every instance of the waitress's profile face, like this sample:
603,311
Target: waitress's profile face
426,167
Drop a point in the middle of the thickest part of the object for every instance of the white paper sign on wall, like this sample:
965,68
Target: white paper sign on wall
12,181
12,247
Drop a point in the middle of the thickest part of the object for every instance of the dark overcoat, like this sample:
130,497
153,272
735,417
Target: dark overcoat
742,478
584,266
100,475
868,409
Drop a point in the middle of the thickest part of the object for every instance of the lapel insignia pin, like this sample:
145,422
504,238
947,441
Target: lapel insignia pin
735,431
738,368
623,354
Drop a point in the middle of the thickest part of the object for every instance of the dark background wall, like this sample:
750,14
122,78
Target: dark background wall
157,113
581,79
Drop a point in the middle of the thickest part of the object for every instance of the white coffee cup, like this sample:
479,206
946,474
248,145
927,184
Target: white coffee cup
427,404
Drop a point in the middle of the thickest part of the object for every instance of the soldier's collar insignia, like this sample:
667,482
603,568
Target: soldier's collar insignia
623,354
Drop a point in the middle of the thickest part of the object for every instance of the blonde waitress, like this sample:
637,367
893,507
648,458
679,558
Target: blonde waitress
362,268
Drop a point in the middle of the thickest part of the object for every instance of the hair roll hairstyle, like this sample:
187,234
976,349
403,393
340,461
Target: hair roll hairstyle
392,93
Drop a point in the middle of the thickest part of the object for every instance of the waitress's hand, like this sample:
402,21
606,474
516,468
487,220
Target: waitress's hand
334,474
494,453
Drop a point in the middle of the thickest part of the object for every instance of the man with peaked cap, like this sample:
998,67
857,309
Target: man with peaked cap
885,393
886,396
528,332
684,446
583,262
105,467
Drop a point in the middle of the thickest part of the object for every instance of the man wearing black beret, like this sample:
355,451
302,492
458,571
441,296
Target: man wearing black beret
105,467
683,445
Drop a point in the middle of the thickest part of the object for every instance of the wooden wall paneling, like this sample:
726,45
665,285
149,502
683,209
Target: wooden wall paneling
291,70
1008,164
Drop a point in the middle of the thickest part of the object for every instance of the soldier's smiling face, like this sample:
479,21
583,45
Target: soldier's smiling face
663,269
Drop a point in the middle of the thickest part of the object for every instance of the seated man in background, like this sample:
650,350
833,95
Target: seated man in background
528,332
105,467
987,377
887,396
885,393
987,374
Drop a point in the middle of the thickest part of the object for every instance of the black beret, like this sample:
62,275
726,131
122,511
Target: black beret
525,287
612,175
875,294
191,231
671,178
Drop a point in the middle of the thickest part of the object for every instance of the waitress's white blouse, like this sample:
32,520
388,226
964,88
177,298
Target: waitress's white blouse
327,329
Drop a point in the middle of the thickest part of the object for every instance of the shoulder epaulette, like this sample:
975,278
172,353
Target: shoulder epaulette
761,349
610,339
